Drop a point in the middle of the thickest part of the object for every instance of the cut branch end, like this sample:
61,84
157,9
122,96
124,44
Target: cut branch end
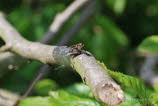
110,93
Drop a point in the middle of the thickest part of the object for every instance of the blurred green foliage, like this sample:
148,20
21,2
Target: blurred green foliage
36,101
44,86
60,98
112,34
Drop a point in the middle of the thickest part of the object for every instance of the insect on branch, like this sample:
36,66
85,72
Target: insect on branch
76,50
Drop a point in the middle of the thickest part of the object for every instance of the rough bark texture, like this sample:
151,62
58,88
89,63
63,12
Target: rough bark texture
27,49
7,98
96,77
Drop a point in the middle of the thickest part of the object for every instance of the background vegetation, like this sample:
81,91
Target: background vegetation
112,35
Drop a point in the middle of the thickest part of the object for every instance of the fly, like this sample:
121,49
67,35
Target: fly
77,50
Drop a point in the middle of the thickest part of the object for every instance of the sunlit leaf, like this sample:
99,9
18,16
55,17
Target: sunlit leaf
154,97
130,101
79,89
61,98
44,86
149,45
35,101
117,6
134,83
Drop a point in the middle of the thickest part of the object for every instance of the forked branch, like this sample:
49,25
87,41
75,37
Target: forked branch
61,18
93,74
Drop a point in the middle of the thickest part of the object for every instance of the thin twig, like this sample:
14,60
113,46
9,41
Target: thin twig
147,70
85,15
61,18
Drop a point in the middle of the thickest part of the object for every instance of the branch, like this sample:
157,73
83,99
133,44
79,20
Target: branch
85,15
94,75
58,22
7,98
61,18
147,70
42,71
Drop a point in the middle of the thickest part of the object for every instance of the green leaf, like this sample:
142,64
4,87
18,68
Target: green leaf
62,98
130,101
154,95
127,81
131,82
79,89
118,6
154,98
35,101
149,45
44,86
155,87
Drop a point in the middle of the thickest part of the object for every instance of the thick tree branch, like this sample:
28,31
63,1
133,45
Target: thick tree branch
8,98
48,37
61,18
58,22
94,75
25,48
85,15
